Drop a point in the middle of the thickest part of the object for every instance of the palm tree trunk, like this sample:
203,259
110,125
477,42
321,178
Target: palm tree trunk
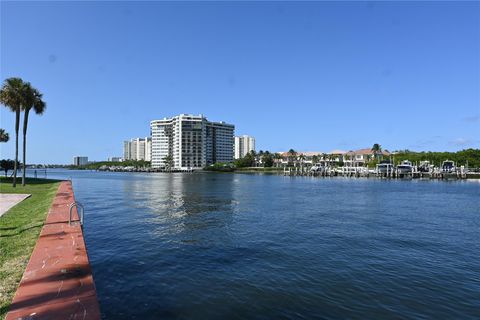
17,125
25,124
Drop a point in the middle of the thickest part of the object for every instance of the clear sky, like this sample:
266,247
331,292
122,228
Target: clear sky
313,76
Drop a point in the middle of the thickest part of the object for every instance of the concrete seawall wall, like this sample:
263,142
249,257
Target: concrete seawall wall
58,281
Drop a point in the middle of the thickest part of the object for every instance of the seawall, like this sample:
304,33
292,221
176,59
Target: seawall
58,281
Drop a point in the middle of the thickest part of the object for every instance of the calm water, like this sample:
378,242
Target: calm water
225,246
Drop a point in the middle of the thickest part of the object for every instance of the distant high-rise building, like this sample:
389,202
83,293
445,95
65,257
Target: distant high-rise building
80,161
243,145
115,159
148,149
191,141
127,150
138,149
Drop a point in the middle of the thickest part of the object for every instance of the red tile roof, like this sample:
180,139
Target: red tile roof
367,151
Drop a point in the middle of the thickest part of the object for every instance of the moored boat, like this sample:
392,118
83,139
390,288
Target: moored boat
448,166
405,168
385,167
425,167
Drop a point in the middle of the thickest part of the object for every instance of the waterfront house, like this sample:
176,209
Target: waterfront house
301,157
361,157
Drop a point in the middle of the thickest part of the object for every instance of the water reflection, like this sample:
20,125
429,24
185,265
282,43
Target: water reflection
185,205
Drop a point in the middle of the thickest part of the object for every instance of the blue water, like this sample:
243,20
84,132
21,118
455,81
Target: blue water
238,246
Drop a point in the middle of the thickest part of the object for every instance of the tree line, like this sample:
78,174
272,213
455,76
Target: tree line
250,159
470,157
125,163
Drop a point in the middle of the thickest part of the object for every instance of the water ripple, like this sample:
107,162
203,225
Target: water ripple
224,246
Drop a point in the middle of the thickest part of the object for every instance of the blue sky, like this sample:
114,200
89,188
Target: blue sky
313,76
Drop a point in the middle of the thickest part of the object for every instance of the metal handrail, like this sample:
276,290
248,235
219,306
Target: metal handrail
80,212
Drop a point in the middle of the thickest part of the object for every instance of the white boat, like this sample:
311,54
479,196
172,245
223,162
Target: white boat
425,166
448,166
405,167
385,168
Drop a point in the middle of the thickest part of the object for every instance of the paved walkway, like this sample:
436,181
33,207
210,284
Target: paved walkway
58,282
8,200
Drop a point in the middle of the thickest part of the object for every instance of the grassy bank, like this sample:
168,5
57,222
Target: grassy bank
19,230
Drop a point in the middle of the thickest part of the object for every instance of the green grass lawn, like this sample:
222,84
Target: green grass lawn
19,230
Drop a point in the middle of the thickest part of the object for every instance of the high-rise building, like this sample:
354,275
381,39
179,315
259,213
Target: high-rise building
80,161
137,149
243,145
148,149
190,142
127,150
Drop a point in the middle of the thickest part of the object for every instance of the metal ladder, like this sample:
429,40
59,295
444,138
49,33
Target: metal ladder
80,212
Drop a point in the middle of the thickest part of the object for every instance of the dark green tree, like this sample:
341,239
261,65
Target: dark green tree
4,137
267,160
168,161
247,161
7,164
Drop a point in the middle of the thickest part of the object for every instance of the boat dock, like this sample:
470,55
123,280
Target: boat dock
390,173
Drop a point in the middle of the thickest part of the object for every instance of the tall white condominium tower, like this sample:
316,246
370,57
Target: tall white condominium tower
243,145
138,149
192,141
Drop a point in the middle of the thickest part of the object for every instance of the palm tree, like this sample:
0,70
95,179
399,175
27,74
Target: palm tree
4,137
302,159
277,156
324,158
292,155
11,96
168,160
259,157
32,99
376,149
351,154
